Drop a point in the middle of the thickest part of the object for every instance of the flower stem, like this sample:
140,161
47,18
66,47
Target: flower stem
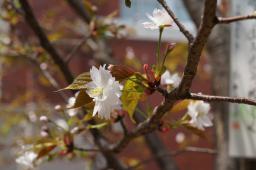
158,64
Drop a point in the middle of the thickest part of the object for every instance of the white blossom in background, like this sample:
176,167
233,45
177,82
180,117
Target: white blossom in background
62,124
71,102
180,137
26,160
199,113
159,18
43,118
105,91
168,79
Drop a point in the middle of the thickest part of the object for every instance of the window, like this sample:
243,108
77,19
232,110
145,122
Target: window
135,15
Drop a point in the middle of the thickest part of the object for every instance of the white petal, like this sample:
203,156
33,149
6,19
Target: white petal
150,25
27,159
168,79
203,107
62,123
105,75
206,121
95,75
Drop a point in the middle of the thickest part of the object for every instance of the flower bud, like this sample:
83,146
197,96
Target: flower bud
171,46
149,73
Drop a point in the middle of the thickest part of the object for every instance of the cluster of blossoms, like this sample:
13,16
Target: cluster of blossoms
27,159
106,92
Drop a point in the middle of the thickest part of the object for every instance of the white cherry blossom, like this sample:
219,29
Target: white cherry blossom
168,79
199,113
159,18
105,91
62,124
26,160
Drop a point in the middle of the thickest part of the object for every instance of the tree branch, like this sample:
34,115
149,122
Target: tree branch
210,98
157,147
77,6
208,22
45,43
229,20
145,127
75,49
182,28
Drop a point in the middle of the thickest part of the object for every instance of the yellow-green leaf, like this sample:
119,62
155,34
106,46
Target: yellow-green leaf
97,126
180,106
132,93
79,82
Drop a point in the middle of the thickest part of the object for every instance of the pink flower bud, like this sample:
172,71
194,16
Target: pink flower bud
171,46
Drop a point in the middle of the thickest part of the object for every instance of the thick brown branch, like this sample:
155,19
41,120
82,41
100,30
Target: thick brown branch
157,147
145,127
235,19
208,22
182,28
45,43
210,98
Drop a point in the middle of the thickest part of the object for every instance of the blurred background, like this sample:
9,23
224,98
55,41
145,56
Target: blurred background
29,79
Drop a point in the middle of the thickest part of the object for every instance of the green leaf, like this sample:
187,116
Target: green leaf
79,82
128,3
97,126
132,93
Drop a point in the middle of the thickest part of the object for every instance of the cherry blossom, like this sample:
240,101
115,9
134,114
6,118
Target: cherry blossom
159,18
199,113
105,91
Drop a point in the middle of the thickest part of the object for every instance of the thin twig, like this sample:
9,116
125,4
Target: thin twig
182,28
86,150
75,49
210,98
125,130
229,20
